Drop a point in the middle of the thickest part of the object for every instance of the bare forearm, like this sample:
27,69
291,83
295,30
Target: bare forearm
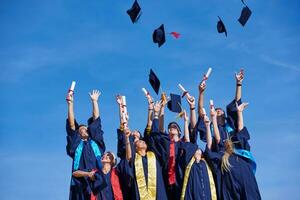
80,173
186,131
238,91
193,117
161,121
240,121
95,109
128,149
71,117
201,104
216,130
208,137
149,118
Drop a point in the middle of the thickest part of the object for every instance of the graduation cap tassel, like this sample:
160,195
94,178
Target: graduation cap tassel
176,35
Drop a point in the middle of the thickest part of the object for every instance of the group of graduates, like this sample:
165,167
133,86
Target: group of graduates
164,164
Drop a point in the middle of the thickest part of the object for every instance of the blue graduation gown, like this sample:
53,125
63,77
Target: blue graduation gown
198,185
157,143
240,183
81,187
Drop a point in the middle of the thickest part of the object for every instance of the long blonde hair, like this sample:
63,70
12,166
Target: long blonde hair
225,165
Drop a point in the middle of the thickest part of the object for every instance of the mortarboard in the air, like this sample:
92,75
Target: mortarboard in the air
134,12
154,81
159,36
174,104
221,27
245,14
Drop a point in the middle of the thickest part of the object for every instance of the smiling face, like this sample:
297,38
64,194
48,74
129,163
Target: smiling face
108,158
83,132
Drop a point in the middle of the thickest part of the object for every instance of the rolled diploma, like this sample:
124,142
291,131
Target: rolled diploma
184,91
208,72
204,112
124,104
72,86
211,103
145,91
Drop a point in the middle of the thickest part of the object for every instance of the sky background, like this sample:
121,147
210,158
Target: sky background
47,44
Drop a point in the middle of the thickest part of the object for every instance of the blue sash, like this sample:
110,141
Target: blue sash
248,155
228,129
78,154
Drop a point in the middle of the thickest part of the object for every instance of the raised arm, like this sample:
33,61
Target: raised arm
128,146
193,120
150,112
161,121
240,109
239,77
186,127
208,133
213,115
94,97
71,118
119,101
201,88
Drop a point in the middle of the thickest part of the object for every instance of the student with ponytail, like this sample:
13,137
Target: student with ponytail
234,168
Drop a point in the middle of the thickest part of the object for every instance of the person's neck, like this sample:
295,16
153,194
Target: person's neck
106,168
142,152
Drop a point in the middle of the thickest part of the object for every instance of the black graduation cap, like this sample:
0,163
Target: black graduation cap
154,81
221,27
174,104
245,15
134,12
159,35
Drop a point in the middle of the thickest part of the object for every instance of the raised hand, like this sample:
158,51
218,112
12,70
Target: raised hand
70,97
241,107
95,95
184,115
127,132
119,99
206,121
202,86
239,76
157,106
191,101
213,112
91,175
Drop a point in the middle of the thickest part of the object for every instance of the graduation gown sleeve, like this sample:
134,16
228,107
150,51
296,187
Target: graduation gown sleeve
73,139
232,113
159,143
96,133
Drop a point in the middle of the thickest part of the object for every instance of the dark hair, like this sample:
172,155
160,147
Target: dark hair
174,124
111,157
81,125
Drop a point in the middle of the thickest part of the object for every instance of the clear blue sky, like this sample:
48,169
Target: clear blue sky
47,44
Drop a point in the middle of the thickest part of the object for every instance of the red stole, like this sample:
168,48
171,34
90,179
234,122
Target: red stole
171,164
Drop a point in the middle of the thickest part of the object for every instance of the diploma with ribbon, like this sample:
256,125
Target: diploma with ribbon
71,90
205,77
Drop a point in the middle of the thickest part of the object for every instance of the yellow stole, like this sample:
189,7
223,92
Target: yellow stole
213,192
146,193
